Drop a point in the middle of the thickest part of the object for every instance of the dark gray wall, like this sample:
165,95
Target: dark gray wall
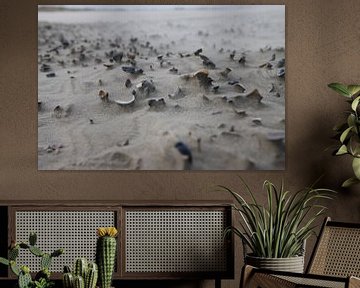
322,46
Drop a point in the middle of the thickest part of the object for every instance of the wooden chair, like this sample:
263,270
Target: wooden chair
334,263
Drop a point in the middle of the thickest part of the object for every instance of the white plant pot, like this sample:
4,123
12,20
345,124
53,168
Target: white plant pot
291,264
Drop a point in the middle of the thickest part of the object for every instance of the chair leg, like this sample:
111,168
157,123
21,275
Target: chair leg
246,273
217,283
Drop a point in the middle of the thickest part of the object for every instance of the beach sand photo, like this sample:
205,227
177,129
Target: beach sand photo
161,87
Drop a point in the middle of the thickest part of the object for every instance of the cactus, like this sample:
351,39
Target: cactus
45,261
105,254
42,278
79,282
24,277
68,280
90,272
36,251
91,276
80,267
13,253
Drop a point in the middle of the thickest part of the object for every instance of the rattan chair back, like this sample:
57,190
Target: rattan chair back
337,252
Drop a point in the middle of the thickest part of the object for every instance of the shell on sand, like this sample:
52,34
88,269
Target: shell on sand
239,87
104,96
200,73
254,95
126,102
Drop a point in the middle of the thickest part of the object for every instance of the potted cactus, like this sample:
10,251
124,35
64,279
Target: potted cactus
84,275
106,254
42,278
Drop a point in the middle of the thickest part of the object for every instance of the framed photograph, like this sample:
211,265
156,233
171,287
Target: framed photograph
161,87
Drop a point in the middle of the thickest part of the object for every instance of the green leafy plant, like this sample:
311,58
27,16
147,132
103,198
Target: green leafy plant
348,132
42,278
279,229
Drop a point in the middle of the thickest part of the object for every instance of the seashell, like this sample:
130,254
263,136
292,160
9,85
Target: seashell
225,72
131,56
203,57
51,75
146,87
128,83
201,73
281,63
178,94
239,87
254,95
104,96
128,102
174,70
45,68
156,103
209,63
132,70
242,60
281,73
58,111
197,52
266,65
241,113
118,57
233,82
257,121
206,99
215,88
272,89
109,65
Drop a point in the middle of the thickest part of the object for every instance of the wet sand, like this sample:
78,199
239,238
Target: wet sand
230,115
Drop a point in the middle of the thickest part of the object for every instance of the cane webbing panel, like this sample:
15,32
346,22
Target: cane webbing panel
175,241
338,252
75,231
304,282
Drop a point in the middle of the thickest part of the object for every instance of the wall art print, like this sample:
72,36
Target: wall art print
161,87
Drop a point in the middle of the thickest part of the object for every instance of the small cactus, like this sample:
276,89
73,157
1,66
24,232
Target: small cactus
80,268
106,254
90,272
68,280
91,276
79,282
24,278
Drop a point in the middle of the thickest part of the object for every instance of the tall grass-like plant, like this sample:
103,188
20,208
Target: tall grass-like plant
279,229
